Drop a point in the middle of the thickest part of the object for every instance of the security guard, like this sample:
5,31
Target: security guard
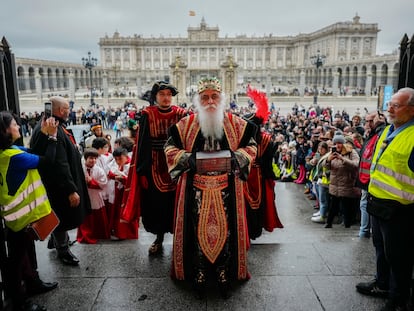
26,205
391,203
23,200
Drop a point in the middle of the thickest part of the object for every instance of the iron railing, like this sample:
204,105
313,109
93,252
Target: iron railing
406,72
9,101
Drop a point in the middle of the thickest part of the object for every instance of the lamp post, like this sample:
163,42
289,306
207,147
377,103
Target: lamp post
90,62
317,60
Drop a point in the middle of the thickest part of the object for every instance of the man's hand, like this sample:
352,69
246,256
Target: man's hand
74,199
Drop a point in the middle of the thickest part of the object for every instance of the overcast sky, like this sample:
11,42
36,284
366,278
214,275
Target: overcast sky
66,30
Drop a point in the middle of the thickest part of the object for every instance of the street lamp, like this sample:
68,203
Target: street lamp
89,63
317,60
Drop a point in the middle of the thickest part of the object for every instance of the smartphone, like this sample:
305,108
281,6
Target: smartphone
333,149
48,110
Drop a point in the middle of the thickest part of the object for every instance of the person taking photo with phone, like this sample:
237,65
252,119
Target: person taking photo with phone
64,181
343,165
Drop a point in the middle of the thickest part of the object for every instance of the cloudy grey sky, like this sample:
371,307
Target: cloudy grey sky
66,30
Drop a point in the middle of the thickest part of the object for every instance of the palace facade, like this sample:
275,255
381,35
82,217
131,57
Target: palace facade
337,59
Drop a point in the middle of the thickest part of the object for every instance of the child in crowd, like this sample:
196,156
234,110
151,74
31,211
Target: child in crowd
119,127
288,170
104,159
119,172
95,225
125,142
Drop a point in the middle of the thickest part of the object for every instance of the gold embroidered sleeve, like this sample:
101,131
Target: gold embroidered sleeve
177,159
245,157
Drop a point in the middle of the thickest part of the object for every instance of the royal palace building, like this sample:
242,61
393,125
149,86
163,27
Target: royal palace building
338,59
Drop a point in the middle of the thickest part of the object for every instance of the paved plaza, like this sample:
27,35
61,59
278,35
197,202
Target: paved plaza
301,267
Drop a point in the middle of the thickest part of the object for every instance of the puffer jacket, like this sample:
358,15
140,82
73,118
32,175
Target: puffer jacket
344,173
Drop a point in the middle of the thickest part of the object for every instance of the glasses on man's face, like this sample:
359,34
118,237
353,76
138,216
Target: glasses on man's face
395,105
214,97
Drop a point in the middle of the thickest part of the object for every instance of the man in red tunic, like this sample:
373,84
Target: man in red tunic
210,154
157,188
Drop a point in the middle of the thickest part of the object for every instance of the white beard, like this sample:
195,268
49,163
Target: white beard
211,122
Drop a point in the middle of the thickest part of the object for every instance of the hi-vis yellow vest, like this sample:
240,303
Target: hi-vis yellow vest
391,178
325,179
29,203
290,169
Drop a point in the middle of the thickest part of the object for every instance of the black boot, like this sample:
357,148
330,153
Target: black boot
50,243
156,247
27,305
200,284
37,286
223,284
67,257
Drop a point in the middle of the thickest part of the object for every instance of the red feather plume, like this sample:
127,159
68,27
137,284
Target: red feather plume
261,102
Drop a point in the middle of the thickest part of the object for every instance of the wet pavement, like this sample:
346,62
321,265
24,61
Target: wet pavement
301,267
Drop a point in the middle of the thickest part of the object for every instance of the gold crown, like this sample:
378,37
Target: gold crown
209,84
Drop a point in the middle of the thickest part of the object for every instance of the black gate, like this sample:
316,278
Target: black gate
406,74
9,101
406,79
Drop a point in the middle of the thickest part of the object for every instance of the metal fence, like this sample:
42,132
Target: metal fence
9,101
406,73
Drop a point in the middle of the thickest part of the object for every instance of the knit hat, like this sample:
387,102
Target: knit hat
338,138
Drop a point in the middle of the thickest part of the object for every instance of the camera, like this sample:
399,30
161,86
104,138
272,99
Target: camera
48,110
334,149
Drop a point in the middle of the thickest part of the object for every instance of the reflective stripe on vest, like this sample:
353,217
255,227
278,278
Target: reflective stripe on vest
26,209
29,203
366,157
391,177
289,170
402,194
22,196
325,179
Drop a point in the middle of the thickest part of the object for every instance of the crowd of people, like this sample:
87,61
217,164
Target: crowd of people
206,174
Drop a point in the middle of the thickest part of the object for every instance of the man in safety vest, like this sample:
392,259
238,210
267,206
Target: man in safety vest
391,204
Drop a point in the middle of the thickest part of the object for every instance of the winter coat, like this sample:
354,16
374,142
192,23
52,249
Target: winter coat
62,178
343,173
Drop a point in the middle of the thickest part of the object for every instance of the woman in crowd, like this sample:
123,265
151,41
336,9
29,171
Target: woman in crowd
288,170
321,180
343,165
23,200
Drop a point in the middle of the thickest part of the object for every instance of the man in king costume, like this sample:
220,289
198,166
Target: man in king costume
210,154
